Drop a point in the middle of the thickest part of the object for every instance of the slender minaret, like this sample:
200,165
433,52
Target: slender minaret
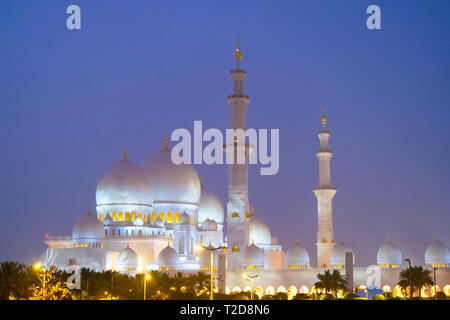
238,206
324,193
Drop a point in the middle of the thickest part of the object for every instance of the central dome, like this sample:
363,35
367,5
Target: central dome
259,232
172,183
124,188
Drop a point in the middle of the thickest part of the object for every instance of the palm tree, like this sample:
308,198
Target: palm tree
331,281
419,278
10,277
202,281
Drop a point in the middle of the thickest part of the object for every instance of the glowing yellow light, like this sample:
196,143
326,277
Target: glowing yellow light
147,276
199,247
37,266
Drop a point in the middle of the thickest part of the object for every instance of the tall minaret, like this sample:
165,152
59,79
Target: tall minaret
324,193
238,206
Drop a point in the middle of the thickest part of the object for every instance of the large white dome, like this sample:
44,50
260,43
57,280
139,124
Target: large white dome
210,207
124,188
338,254
88,228
168,257
388,254
297,256
259,232
172,183
253,256
437,254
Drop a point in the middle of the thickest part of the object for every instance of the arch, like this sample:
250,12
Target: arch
247,288
177,217
127,216
140,233
434,290
303,289
114,216
270,290
259,291
447,290
227,290
120,218
236,289
153,216
362,287
398,291
162,216
386,288
292,291
169,217
281,289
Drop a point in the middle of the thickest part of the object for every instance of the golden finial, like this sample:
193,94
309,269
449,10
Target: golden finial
297,242
168,243
125,158
388,240
251,211
200,178
238,53
89,211
324,117
436,239
253,242
166,141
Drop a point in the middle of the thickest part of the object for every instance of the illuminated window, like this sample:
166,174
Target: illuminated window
127,216
169,217
281,289
161,216
304,289
292,292
177,217
153,215
270,290
120,216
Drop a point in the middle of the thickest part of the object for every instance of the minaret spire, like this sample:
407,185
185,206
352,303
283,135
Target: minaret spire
238,54
166,142
238,206
125,158
324,193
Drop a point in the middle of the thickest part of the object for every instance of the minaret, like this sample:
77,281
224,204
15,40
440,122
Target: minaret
324,193
238,206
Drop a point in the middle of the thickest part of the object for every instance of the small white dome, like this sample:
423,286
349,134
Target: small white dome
209,225
138,221
159,223
210,207
297,256
88,227
338,254
127,260
168,257
124,184
184,219
108,221
253,256
172,183
437,254
259,232
389,254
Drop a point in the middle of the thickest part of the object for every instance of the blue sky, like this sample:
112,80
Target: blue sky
70,100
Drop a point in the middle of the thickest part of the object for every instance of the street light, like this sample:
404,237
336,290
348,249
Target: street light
250,278
39,267
147,277
410,274
212,249
435,288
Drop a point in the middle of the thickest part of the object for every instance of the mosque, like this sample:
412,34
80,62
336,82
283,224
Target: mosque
154,216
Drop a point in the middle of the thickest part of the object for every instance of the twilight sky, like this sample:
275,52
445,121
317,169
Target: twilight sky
70,100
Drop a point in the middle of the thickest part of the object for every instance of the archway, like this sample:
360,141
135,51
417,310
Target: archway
236,289
292,292
281,289
386,288
304,289
259,291
270,290
447,290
